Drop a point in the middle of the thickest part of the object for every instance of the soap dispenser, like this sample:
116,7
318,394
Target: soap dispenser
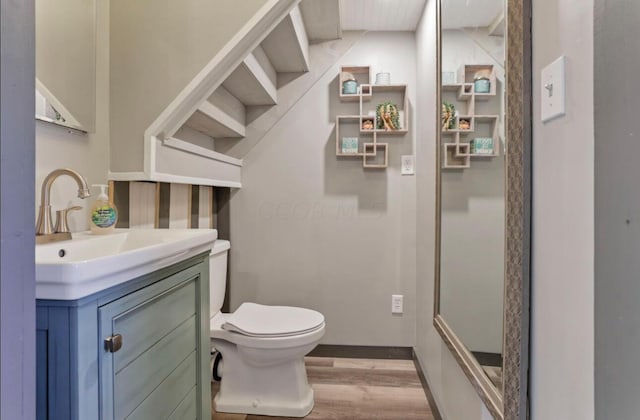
104,215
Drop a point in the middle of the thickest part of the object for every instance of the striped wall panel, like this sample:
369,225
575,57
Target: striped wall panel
149,205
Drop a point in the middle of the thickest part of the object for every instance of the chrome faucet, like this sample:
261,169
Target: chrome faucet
45,231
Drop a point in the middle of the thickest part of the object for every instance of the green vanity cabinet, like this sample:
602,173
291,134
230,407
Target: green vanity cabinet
139,350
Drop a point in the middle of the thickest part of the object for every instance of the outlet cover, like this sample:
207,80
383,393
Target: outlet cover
397,304
408,163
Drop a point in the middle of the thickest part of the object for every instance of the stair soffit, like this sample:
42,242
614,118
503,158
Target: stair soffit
216,71
221,115
251,84
287,46
321,19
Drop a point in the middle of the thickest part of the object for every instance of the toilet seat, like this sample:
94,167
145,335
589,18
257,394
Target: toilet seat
310,335
261,321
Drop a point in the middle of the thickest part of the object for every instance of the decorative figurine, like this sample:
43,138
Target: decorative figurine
367,124
448,116
387,116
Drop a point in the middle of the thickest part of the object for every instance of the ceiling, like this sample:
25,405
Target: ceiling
381,15
470,13
404,15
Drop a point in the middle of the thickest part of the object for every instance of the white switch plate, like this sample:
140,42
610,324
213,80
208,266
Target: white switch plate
396,304
408,163
553,90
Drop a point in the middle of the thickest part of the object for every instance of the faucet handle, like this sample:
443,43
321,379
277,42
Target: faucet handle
62,225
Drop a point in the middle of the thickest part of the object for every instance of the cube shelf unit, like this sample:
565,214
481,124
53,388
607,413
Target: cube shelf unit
374,154
456,142
363,77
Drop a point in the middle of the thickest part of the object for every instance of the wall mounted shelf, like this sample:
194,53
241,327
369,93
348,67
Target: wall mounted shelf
374,154
459,142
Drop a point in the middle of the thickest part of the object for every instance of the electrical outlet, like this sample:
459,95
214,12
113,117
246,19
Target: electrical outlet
396,304
407,166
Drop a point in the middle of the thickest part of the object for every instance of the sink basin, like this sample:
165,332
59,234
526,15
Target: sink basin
88,263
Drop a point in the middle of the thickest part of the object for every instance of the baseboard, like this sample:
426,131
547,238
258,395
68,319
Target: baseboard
425,387
363,352
488,359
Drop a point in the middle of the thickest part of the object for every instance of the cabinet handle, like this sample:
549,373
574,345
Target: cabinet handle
113,344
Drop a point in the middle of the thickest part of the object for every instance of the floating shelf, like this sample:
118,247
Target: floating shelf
363,77
456,156
458,143
374,154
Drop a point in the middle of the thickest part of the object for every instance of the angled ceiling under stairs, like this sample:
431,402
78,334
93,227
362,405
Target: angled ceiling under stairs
253,85
243,80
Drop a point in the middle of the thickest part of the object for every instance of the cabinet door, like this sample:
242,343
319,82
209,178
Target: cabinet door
155,374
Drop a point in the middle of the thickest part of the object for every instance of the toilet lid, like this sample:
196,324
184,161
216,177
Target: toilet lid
254,320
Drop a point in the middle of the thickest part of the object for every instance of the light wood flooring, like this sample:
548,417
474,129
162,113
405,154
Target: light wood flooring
358,389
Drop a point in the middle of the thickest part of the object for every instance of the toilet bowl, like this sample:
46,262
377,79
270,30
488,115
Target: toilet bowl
263,349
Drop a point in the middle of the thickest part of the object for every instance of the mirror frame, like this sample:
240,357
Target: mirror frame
512,403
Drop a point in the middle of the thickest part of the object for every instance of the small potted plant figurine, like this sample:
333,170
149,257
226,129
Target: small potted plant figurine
387,116
448,116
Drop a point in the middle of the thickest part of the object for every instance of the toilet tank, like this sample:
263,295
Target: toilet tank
218,275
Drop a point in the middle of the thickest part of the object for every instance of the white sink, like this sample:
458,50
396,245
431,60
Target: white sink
90,263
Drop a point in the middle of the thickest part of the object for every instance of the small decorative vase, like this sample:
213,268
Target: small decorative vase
383,78
349,87
482,85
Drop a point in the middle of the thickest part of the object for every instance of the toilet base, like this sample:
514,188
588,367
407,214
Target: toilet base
265,408
249,387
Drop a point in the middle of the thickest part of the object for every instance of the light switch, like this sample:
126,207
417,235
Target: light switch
553,94
408,162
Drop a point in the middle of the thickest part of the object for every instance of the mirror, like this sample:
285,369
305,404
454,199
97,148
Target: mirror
66,63
483,196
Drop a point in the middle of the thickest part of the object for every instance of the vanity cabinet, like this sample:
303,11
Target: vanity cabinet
139,350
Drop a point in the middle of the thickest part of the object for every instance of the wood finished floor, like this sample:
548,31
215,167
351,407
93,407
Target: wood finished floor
358,389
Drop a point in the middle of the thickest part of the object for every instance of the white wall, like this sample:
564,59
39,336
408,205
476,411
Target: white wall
455,397
562,334
314,230
58,147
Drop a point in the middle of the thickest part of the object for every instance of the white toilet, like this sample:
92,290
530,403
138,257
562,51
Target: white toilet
263,349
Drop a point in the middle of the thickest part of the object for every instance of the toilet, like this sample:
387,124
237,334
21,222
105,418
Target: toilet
262,348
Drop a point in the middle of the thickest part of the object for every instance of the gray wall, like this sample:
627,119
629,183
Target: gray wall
313,230
66,55
617,210
562,219
17,281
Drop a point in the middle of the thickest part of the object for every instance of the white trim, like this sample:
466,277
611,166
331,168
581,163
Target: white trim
172,179
179,179
201,151
150,153
71,121
128,176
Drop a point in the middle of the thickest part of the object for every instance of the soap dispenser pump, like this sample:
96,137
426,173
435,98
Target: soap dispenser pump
104,215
